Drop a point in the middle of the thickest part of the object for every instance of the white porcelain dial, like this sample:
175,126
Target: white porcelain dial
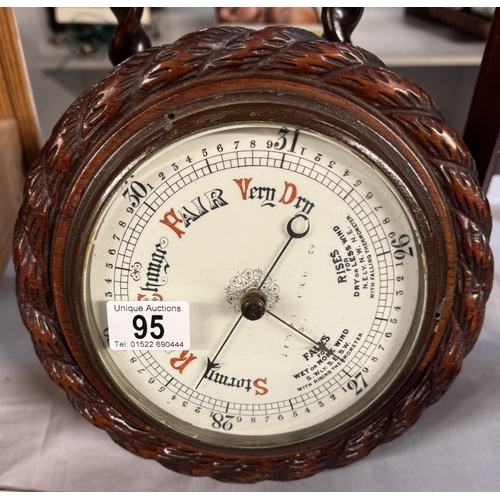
302,268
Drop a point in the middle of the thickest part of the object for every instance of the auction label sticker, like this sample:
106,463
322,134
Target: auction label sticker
148,326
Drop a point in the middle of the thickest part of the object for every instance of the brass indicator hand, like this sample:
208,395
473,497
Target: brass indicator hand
320,345
253,303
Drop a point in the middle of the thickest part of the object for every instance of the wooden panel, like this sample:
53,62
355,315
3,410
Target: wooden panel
11,185
15,92
19,129
5,103
465,21
483,123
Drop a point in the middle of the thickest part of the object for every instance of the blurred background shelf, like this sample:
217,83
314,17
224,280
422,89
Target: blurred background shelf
440,59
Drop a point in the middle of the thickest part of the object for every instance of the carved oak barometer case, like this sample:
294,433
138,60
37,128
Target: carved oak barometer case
253,254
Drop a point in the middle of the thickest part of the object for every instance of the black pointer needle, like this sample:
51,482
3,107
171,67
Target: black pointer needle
211,364
320,345
293,235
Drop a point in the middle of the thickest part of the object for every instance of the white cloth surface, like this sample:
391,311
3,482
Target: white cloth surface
47,446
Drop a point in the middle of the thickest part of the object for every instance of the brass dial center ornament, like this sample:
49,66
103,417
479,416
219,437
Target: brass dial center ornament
253,255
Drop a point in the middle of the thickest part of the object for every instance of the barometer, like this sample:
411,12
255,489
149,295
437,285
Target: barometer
253,254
